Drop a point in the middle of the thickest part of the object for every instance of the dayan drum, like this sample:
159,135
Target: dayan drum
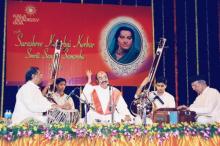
64,116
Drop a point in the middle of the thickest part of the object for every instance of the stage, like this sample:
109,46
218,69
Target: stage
66,39
182,134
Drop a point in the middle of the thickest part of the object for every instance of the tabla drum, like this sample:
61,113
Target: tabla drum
64,116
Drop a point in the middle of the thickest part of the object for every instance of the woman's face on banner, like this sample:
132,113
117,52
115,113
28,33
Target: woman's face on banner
125,40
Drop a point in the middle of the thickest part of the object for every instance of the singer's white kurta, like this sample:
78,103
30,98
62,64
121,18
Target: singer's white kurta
207,106
60,100
167,98
30,103
104,96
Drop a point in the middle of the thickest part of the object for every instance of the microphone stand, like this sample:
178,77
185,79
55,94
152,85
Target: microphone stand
111,105
86,105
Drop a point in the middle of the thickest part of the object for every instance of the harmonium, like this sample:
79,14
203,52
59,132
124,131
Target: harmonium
173,116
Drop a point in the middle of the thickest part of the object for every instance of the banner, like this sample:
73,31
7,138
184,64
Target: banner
115,39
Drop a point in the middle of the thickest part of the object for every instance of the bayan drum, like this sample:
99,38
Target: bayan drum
64,116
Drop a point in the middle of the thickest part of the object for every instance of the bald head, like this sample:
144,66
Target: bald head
199,86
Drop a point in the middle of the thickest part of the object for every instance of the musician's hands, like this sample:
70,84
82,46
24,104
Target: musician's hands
182,107
89,76
127,118
66,106
55,106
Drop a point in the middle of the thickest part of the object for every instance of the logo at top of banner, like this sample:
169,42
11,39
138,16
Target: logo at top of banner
124,45
30,10
27,17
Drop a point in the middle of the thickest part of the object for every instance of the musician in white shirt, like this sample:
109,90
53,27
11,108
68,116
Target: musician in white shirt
206,104
60,97
99,96
30,102
160,97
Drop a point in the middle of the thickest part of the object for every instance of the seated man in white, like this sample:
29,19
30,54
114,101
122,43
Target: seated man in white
160,97
30,102
99,97
206,104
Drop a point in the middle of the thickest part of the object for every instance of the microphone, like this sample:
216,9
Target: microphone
110,97
110,87
158,98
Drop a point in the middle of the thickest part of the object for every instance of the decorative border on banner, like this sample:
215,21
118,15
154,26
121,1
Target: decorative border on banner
118,68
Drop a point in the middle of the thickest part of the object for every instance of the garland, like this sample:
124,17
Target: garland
66,131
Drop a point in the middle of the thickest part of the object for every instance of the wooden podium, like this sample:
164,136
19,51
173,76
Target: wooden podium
172,115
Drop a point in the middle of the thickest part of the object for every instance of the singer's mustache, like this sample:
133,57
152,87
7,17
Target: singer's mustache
104,82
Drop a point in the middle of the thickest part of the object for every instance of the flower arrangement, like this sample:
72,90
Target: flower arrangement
67,131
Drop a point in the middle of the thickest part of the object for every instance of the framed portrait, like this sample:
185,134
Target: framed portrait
124,34
126,39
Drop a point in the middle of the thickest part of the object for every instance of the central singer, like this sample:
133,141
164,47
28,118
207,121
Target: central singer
99,97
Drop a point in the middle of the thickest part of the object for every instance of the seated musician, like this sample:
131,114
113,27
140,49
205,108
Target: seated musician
160,97
207,103
30,102
60,97
99,95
